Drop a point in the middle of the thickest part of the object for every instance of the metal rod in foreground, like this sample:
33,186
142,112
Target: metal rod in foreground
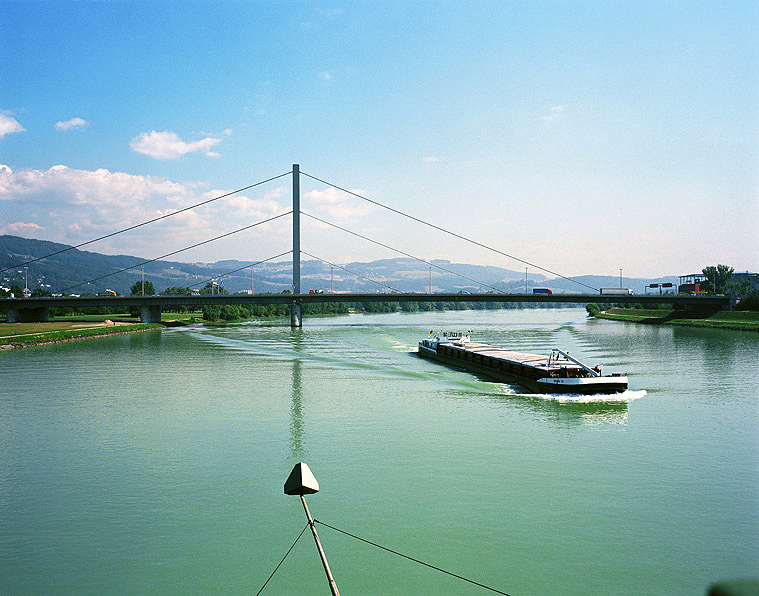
302,482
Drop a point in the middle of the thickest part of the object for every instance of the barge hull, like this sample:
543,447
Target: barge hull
503,371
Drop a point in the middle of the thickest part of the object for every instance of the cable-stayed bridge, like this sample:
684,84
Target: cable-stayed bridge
37,309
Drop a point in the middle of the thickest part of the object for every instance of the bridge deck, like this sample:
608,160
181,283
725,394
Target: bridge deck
36,309
63,301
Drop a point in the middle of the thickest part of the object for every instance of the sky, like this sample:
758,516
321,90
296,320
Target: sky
580,137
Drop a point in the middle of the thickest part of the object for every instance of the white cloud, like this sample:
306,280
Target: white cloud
325,76
71,124
339,204
276,193
72,206
430,159
8,125
246,209
168,145
101,188
556,113
20,227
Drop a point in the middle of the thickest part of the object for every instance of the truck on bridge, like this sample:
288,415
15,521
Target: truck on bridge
616,291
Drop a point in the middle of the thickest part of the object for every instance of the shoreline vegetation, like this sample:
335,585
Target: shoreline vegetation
76,327
730,320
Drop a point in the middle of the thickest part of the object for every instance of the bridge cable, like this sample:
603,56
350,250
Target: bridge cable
283,559
248,266
144,223
461,577
379,283
479,283
431,225
178,251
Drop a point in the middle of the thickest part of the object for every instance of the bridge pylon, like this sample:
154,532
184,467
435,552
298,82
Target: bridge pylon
296,319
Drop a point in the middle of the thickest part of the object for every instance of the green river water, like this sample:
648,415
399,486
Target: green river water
153,463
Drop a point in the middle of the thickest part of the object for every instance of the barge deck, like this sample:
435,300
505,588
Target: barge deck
556,373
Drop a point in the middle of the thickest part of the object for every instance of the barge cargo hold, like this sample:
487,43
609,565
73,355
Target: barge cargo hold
557,373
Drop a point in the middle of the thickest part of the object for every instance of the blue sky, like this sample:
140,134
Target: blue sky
584,137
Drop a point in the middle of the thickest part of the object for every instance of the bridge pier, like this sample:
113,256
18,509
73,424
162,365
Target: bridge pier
150,314
39,314
296,317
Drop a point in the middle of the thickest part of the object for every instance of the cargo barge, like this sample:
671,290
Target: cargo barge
557,373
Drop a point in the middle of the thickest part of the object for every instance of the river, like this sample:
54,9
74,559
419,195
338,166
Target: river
153,463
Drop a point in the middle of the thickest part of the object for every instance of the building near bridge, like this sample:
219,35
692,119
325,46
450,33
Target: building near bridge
751,278
698,282
693,283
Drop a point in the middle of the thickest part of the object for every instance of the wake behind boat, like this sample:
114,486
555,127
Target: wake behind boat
557,373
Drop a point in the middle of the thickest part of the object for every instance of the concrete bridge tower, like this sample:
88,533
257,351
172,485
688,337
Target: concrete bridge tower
295,308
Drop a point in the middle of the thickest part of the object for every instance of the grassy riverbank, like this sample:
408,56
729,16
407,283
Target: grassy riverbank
736,320
20,335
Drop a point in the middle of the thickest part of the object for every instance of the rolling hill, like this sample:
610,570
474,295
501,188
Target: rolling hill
76,271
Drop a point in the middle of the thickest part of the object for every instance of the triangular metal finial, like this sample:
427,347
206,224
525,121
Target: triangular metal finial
301,481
